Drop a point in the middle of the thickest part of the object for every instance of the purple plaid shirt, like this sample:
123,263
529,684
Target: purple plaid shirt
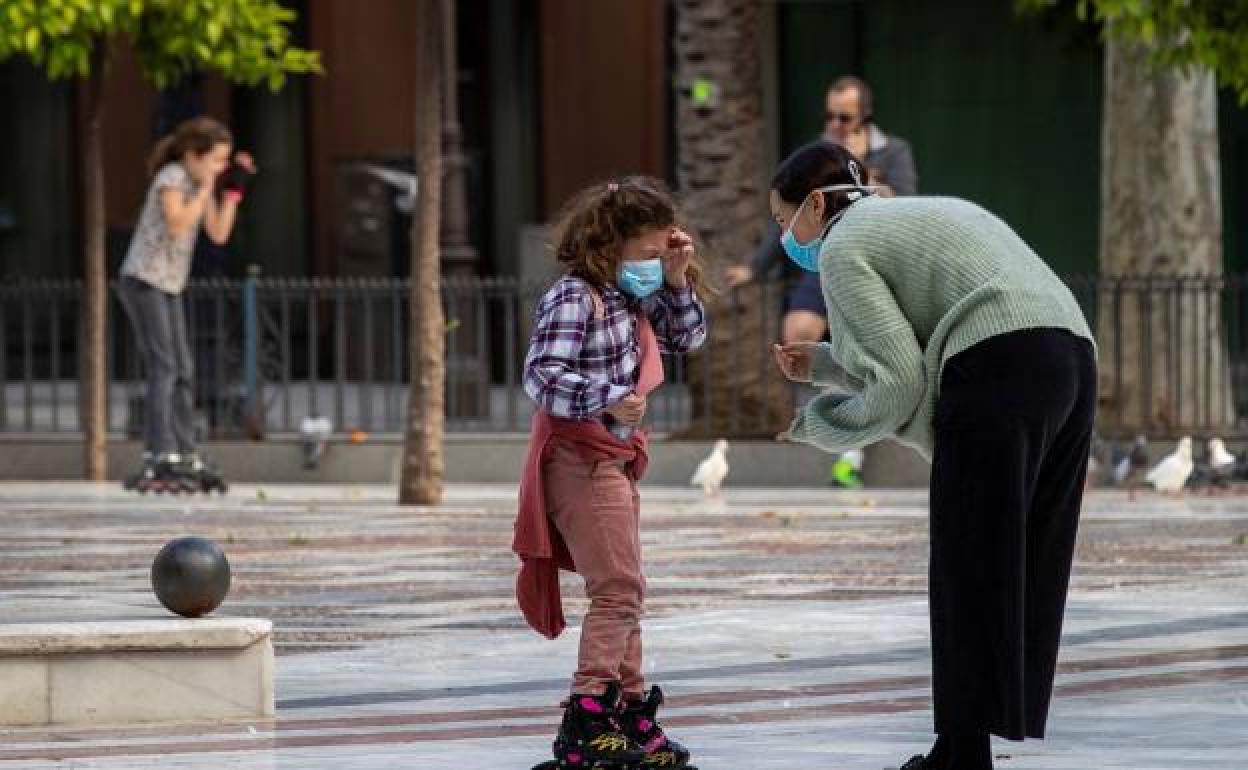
579,365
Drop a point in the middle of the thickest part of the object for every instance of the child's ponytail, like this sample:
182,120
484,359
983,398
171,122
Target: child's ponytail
161,154
197,135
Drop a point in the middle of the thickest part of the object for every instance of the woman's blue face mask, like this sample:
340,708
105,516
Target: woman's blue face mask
806,255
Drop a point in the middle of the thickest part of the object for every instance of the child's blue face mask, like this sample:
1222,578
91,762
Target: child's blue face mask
640,278
806,255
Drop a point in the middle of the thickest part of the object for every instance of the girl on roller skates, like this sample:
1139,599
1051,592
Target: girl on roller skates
629,293
187,167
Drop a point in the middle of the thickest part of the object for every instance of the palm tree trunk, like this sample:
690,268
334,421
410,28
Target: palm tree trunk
95,303
1163,351
735,388
422,470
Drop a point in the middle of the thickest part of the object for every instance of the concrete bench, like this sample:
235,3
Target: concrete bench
127,672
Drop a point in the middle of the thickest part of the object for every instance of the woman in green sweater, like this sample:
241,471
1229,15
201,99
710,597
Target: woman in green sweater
948,334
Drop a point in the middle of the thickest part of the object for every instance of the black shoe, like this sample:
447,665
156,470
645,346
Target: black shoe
641,725
591,735
966,752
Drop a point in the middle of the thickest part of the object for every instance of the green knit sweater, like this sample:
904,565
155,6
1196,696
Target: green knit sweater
910,283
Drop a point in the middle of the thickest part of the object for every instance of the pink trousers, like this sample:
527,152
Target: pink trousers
596,509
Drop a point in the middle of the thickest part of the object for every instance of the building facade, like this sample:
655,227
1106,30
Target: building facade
556,94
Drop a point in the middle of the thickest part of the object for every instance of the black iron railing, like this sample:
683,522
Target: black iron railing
271,351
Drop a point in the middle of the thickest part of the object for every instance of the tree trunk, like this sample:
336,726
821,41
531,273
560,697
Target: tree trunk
95,302
735,388
421,478
1163,353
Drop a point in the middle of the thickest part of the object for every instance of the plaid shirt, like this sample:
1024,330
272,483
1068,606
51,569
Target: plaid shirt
579,365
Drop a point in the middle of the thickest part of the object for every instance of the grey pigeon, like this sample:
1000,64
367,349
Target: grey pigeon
1129,464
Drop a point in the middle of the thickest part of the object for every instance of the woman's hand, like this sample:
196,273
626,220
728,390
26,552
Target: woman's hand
795,359
676,260
629,410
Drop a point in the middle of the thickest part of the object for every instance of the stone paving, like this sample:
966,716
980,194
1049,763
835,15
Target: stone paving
788,627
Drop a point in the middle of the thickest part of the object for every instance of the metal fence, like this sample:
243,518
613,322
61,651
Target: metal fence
271,351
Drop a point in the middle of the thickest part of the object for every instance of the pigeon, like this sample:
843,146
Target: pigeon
314,433
1139,453
1221,463
711,471
1240,473
1129,463
1098,457
1175,468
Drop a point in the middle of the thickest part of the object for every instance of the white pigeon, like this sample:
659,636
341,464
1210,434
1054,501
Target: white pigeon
1172,472
711,471
1219,458
1221,463
314,433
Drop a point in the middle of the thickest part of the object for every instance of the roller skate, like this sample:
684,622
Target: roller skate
140,480
641,726
591,737
205,476
160,475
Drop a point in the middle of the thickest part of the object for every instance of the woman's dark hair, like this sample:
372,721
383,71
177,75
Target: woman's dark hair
815,165
197,135
596,222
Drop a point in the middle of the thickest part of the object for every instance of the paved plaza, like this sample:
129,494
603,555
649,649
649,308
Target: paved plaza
788,627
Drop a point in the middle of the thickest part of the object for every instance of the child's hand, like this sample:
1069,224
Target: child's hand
676,260
630,410
243,159
794,359
236,178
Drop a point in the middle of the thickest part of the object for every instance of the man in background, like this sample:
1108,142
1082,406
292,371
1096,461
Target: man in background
848,121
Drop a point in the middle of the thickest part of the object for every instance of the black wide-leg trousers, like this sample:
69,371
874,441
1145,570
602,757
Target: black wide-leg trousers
1013,425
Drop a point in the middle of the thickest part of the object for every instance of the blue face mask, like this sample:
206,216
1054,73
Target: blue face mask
806,255
639,279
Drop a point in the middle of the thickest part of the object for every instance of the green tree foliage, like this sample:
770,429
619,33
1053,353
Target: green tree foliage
246,41
1178,33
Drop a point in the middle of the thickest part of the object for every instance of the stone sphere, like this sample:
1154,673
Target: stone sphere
191,576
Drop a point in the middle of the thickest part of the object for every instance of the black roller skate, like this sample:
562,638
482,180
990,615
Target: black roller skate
641,726
140,480
205,476
591,736
160,475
